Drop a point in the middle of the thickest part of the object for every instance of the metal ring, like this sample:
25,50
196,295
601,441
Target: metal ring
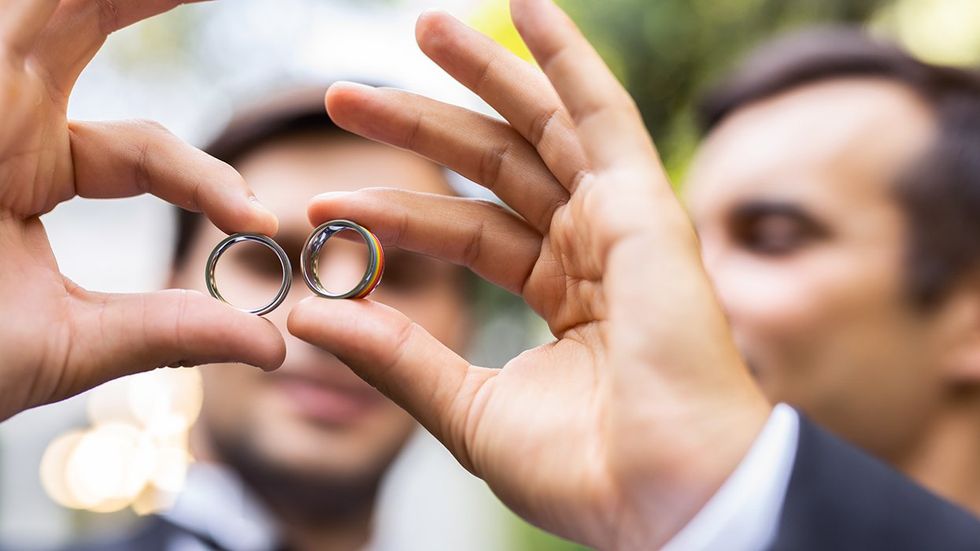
232,240
309,260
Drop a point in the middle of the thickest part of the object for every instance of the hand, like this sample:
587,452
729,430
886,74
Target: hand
616,433
57,339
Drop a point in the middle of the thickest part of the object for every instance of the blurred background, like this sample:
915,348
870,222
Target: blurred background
73,469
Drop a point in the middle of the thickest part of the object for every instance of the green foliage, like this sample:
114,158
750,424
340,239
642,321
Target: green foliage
668,51
528,538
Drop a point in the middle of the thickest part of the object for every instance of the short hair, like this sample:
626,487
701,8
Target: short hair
294,111
940,191
298,110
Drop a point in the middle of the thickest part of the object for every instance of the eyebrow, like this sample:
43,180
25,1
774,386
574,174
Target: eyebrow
752,208
755,208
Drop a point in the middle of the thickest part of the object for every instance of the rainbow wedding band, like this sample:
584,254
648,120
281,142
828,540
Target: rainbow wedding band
309,261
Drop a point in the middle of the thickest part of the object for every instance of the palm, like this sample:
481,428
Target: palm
40,308
521,413
522,428
36,170
565,286
36,173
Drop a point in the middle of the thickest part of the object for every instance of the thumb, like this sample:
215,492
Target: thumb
120,334
401,359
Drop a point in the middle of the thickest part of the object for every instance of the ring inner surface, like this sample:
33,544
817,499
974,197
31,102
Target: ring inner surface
257,268
315,248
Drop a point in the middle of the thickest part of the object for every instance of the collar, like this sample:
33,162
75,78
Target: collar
216,504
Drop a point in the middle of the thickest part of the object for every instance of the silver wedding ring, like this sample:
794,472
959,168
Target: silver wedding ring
231,241
309,262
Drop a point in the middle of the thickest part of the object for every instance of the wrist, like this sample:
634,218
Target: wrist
689,458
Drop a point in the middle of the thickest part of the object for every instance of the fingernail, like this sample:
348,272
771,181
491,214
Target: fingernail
434,11
353,86
258,207
256,204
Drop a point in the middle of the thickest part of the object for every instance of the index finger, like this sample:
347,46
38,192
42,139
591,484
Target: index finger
518,91
486,238
122,159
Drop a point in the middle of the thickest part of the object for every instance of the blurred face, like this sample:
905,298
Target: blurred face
793,198
313,417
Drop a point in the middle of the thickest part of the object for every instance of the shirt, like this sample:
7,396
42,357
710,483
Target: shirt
743,515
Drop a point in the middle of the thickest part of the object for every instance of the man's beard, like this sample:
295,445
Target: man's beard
304,497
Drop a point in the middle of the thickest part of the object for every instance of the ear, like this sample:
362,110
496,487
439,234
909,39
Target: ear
959,320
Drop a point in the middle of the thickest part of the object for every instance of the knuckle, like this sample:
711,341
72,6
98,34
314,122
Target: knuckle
492,162
485,76
401,342
108,15
410,140
149,126
472,248
540,125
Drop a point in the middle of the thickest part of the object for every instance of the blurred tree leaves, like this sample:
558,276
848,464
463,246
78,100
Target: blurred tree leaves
668,51
492,18
165,39
939,31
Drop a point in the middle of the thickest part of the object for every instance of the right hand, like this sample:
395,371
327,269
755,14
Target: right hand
616,433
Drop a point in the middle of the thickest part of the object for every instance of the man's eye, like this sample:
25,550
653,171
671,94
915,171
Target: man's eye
413,273
773,234
256,260
403,278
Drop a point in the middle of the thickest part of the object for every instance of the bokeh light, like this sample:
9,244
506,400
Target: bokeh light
939,31
135,453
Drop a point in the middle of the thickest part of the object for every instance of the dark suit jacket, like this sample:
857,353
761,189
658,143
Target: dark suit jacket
153,533
841,498
838,499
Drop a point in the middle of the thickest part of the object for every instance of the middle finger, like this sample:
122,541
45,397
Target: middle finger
518,91
481,148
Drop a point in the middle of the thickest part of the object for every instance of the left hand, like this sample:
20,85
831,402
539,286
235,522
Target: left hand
57,339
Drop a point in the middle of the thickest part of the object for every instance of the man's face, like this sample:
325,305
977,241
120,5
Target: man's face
794,200
313,416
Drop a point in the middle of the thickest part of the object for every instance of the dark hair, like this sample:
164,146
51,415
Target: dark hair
939,192
297,111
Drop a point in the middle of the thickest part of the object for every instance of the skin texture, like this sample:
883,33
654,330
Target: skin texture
312,438
613,435
58,339
795,203
618,431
